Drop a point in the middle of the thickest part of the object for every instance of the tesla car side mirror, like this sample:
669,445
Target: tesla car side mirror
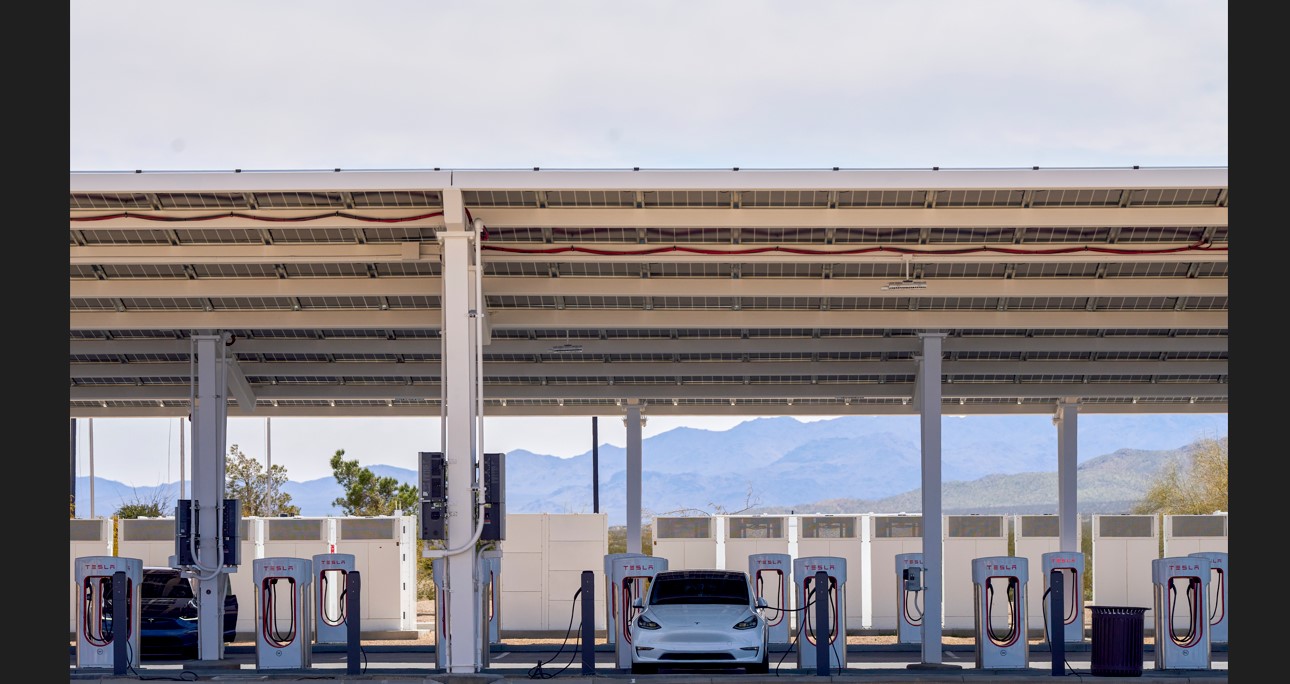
761,602
637,603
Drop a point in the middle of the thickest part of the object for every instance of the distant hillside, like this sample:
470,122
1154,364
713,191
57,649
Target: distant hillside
990,464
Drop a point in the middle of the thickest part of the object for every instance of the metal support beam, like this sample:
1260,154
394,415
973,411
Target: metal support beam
209,418
633,421
1066,420
929,412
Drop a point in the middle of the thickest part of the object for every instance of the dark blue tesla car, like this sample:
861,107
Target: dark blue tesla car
168,611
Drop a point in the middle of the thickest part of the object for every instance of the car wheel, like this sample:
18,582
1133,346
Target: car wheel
644,668
760,668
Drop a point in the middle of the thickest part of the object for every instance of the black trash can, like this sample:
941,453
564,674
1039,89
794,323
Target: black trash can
1116,644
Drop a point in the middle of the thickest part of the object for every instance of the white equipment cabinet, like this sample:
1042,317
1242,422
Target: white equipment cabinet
966,538
1124,546
889,536
746,535
89,537
385,557
687,542
543,557
837,536
1187,534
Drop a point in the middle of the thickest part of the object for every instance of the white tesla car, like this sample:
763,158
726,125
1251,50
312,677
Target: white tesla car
699,618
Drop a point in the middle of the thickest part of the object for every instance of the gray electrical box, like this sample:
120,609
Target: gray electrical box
432,473
494,476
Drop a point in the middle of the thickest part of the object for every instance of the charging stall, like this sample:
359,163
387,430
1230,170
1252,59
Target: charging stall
746,535
89,537
490,592
629,579
1124,545
331,586
910,595
964,539
1034,536
1070,567
1181,602
889,537
612,609
769,573
808,596
999,592
95,645
687,542
836,535
282,612
385,557
1217,594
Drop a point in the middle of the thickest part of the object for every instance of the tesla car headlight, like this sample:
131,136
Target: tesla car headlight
188,618
747,623
646,623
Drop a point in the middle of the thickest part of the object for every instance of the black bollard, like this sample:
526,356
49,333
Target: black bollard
352,607
120,623
1056,622
588,634
822,623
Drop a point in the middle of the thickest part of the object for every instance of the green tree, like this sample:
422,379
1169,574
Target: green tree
247,481
1196,485
367,494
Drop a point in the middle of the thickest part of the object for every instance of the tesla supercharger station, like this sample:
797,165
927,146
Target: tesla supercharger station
282,612
1070,567
1124,545
889,536
89,537
1217,594
687,542
1181,592
1036,535
611,596
999,591
94,642
910,592
490,591
629,580
769,573
964,538
330,587
808,597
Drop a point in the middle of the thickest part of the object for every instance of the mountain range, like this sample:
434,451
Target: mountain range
990,464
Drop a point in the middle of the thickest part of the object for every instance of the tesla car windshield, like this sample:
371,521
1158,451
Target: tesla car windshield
165,584
699,587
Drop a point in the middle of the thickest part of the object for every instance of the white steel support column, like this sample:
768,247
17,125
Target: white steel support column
209,413
1067,421
459,417
928,398
633,421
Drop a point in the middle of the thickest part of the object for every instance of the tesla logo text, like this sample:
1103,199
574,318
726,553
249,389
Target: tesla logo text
812,566
912,562
100,566
331,562
1065,560
639,567
1194,566
769,562
1000,566
279,567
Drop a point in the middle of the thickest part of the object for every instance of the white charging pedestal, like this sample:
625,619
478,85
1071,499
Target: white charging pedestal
282,612
1218,581
1001,641
805,591
1070,564
94,634
910,592
1181,601
332,582
769,573
629,579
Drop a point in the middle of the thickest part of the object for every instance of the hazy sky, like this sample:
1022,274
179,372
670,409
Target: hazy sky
293,84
